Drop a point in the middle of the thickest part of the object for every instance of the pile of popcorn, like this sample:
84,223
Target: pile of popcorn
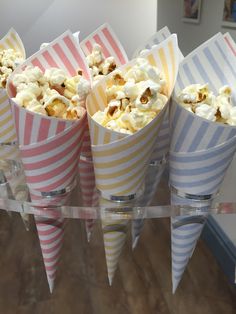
9,59
134,98
52,93
98,64
199,99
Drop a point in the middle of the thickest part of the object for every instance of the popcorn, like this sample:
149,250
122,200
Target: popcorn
199,99
55,76
52,93
134,98
9,60
98,64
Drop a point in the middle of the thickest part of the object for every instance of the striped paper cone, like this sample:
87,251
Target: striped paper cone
89,192
200,150
185,232
121,160
50,147
107,39
163,139
230,42
111,46
114,237
51,234
152,180
7,130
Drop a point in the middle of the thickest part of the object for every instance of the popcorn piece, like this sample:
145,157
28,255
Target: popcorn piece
199,99
98,64
52,93
133,98
55,76
9,60
206,111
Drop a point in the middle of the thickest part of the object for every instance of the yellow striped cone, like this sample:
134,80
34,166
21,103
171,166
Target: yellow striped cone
114,237
121,161
7,129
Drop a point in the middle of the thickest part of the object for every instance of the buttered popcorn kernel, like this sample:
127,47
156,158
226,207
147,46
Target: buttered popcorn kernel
134,98
199,99
52,93
9,59
98,64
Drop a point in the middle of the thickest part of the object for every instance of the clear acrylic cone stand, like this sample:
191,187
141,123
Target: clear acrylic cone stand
186,217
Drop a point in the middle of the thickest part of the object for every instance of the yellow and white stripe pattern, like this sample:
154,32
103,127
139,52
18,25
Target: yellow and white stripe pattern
7,129
120,160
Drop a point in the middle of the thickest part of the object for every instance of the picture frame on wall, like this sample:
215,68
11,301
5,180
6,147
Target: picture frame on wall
229,14
191,11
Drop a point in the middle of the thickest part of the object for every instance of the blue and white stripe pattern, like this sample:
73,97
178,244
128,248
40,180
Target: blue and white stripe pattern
185,232
155,39
201,150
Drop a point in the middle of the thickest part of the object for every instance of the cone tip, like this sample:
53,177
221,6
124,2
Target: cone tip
135,242
110,278
51,285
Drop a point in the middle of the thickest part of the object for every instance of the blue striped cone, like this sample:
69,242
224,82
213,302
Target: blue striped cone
155,39
185,232
153,178
202,150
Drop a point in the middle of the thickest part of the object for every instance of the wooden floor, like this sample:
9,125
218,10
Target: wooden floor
142,283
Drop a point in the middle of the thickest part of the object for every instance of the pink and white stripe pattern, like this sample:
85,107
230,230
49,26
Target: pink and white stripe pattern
89,192
230,42
107,39
111,46
50,147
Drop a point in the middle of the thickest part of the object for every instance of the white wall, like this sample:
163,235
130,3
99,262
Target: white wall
41,21
192,35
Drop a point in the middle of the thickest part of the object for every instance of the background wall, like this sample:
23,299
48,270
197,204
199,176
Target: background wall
192,35
132,20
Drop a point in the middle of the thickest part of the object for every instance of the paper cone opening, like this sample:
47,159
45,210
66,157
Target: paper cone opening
121,160
201,150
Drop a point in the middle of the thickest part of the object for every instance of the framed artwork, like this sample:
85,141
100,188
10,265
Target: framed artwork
229,14
191,11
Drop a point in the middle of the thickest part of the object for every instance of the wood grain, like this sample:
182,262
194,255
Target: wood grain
142,283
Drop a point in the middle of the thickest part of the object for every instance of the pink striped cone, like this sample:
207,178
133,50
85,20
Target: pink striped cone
50,147
88,189
230,42
107,39
111,46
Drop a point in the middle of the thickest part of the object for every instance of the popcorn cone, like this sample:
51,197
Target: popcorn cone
7,130
114,237
121,160
50,147
111,46
161,148
89,192
185,232
152,180
230,42
200,150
